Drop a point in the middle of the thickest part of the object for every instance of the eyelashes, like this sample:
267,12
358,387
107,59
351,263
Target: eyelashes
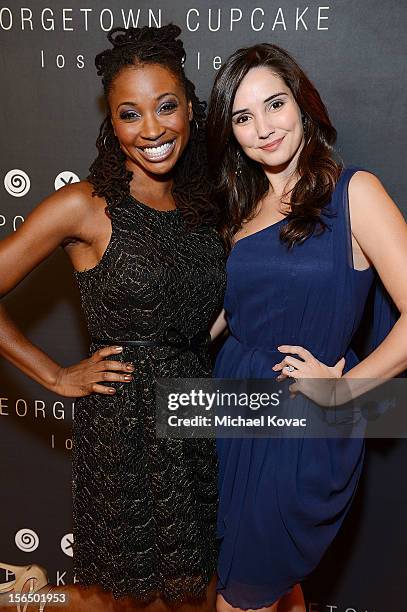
274,105
128,115
166,108
241,119
169,106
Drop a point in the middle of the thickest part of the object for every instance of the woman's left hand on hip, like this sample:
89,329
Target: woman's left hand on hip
306,366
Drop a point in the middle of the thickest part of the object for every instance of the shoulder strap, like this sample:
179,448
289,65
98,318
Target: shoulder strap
339,209
340,194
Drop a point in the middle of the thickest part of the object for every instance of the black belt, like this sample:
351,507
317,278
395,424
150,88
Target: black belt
173,338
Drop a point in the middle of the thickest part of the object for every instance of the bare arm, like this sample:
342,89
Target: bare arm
219,325
381,232
58,218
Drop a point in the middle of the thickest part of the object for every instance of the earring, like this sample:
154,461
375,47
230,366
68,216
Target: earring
238,170
109,140
195,124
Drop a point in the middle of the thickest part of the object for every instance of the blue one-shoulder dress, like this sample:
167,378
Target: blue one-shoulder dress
282,501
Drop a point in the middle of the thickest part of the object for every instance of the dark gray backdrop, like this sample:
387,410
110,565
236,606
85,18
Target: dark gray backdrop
355,52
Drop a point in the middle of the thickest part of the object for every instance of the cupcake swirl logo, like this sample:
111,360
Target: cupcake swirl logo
27,540
17,183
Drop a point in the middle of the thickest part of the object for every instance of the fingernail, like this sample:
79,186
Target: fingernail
111,390
129,366
118,348
128,377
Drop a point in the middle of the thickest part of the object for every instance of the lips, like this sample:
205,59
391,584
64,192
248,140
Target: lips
158,152
272,146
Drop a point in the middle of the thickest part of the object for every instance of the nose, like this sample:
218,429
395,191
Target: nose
152,128
264,127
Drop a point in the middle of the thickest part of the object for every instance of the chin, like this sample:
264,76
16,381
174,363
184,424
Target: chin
276,161
162,168
279,158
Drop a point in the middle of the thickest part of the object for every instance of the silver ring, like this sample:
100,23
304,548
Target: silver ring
290,368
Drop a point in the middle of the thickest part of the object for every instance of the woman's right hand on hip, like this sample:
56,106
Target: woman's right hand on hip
86,376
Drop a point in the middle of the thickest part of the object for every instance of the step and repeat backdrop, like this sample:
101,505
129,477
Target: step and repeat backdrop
51,108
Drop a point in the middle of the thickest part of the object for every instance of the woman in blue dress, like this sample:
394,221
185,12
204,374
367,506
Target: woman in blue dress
309,242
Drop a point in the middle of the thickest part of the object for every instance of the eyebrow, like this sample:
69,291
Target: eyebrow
245,110
167,93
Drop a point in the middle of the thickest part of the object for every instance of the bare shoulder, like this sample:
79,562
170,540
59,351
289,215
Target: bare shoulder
377,223
72,207
368,199
364,185
76,197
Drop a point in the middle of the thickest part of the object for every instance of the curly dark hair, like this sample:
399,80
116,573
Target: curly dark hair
237,195
108,173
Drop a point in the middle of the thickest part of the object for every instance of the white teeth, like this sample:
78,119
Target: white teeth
158,151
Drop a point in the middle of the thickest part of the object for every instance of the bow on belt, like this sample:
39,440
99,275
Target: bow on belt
172,337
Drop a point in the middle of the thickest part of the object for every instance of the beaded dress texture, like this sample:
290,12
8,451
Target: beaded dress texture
144,508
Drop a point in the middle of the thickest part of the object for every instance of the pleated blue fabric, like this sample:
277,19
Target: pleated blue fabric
282,501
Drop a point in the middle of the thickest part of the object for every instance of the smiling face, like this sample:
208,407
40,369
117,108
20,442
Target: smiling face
150,116
266,120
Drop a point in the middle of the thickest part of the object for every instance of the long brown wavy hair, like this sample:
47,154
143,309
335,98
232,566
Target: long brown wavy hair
108,173
237,194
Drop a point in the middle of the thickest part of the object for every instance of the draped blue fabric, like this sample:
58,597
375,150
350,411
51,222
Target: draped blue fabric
283,500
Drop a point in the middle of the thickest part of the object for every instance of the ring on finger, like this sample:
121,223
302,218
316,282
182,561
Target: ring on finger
290,368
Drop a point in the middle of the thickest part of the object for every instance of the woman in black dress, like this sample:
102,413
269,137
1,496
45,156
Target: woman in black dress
150,268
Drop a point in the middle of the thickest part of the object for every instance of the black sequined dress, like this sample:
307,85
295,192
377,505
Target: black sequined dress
144,508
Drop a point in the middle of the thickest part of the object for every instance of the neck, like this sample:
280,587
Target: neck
156,186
